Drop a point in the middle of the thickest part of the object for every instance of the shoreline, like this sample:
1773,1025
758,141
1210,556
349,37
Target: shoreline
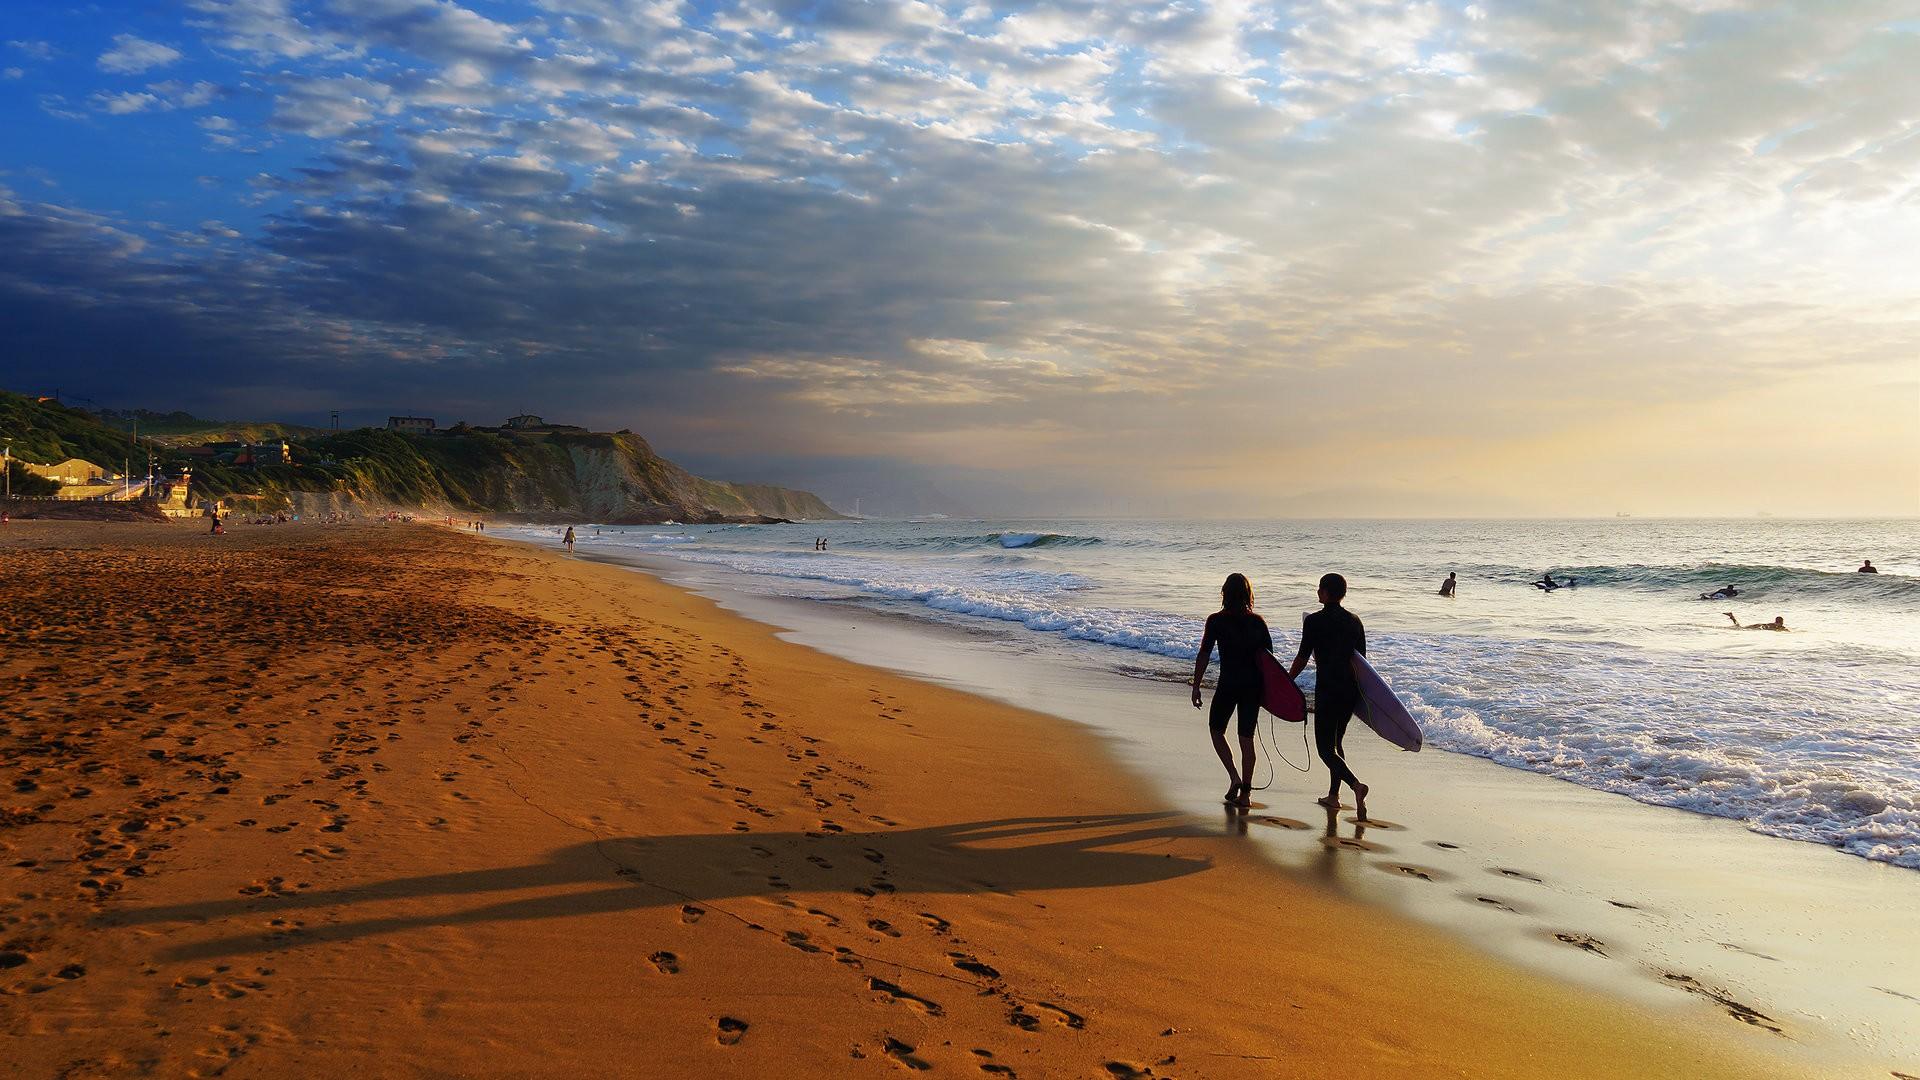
1659,902
386,798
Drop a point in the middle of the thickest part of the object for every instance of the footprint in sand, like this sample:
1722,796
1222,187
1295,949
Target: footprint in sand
883,926
902,1054
1126,1071
728,1031
1582,942
665,963
1746,1014
1416,872
1281,822
972,965
1019,1017
1496,903
935,923
1518,875
893,992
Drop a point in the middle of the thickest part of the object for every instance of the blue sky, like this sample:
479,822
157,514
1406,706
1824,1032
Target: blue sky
1233,259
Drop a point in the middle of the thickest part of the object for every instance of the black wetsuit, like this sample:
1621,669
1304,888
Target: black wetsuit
1241,636
1332,635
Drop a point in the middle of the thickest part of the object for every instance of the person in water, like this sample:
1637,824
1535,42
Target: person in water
1546,582
1240,636
1446,587
1332,636
1727,593
1866,567
1779,623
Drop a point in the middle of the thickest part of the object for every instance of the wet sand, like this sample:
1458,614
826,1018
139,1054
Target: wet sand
400,801
1673,909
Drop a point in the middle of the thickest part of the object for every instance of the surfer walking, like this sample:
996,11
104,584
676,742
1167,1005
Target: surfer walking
1331,636
1241,636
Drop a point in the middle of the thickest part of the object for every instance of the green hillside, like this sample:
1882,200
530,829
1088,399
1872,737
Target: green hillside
555,475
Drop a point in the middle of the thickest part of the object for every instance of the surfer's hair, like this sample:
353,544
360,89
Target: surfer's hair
1334,586
1237,593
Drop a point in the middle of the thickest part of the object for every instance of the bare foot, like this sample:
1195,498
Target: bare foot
1331,802
1360,801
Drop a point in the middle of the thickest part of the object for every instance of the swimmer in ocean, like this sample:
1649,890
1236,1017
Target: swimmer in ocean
1866,567
1446,587
1779,623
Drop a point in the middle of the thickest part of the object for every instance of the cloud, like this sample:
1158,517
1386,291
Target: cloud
132,55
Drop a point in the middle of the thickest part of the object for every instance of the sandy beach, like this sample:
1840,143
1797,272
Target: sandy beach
402,801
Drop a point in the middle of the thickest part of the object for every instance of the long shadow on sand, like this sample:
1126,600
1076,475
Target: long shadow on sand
1007,855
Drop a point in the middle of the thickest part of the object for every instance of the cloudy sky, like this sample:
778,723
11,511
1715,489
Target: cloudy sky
1232,259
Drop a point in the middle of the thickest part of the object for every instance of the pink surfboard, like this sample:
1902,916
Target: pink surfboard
1381,710
1278,694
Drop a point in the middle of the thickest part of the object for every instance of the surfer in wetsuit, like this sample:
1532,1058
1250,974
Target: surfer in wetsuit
1727,593
1779,623
1241,636
1331,636
1446,587
1546,583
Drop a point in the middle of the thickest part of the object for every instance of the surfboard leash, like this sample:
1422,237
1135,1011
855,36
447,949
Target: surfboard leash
1273,751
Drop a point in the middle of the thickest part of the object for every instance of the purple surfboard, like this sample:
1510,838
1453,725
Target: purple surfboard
1381,710
1278,694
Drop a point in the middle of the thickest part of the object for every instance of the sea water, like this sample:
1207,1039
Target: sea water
1626,683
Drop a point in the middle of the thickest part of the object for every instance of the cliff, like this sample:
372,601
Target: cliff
549,475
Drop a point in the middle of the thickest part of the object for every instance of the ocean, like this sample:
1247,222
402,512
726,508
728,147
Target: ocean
1627,683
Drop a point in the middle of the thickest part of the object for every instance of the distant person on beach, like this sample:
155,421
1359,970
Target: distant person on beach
1241,636
1446,587
1779,623
1727,593
568,540
1332,636
1866,567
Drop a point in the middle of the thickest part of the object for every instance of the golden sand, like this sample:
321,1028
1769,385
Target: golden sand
400,801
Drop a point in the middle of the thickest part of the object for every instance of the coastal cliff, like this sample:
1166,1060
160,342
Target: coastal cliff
548,473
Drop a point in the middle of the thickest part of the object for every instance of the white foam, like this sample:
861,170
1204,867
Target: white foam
1707,727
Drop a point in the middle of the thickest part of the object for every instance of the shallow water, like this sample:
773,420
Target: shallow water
1627,683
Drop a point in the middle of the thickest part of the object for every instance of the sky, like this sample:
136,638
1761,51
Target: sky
1227,260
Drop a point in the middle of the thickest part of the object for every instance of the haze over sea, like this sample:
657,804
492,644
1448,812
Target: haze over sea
1627,683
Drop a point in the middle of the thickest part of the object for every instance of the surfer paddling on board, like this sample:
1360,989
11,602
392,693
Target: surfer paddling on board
1331,636
1779,623
1241,636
